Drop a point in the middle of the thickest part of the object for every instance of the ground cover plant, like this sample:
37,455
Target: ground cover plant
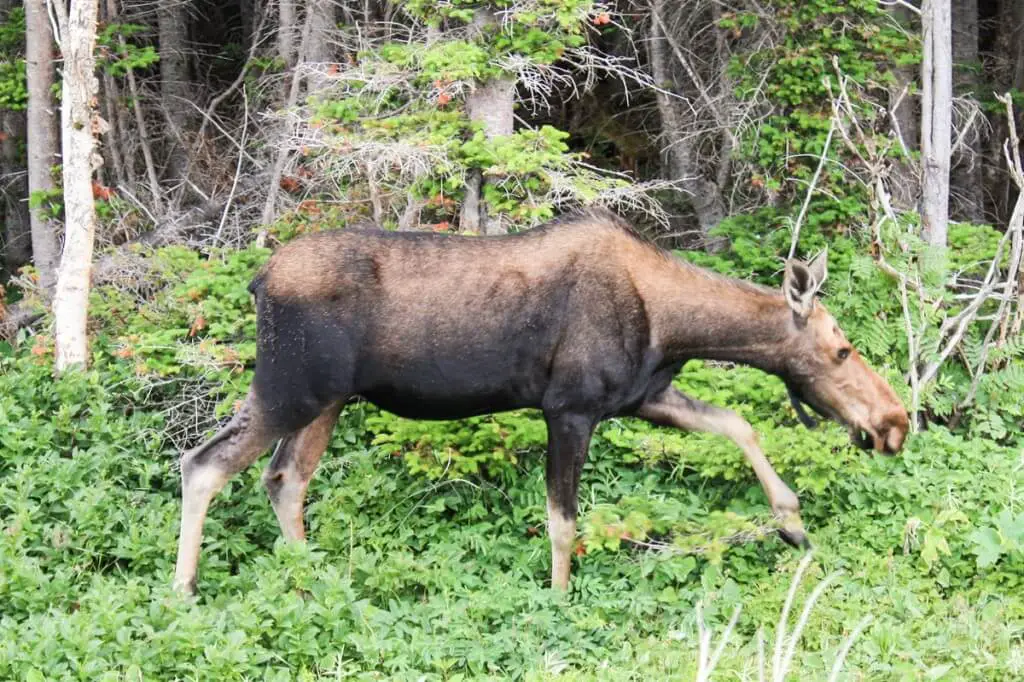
428,556
749,134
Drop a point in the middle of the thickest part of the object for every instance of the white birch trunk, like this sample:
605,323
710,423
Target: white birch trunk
936,109
77,38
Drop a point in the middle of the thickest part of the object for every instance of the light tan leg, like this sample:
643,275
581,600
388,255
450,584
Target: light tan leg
204,471
672,408
562,531
568,442
290,470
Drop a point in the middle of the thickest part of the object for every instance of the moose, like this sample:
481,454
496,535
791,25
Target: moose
582,318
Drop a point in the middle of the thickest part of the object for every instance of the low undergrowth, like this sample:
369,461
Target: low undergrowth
428,556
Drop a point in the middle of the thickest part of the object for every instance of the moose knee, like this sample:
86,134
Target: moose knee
737,429
201,476
273,481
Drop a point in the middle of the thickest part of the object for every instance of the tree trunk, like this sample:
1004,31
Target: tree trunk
491,105
936,107
77,37
13,184
1017,17
292,97
248,10
17,229
965,175
175,84
905,176
681,155
42,138
322,28
288,21
318,50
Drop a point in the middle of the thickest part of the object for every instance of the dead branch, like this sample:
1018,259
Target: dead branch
995,286
238,167
282,155
810,188
1013,230
140,122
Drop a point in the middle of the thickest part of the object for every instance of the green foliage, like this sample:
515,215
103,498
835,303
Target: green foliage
48,202
522,167
453,60
480,445
556,16
118,55
407,99
432,563
798,76
13,87
12,32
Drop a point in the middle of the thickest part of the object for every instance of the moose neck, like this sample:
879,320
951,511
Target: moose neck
698,315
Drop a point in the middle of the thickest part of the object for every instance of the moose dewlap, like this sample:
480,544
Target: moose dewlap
581,318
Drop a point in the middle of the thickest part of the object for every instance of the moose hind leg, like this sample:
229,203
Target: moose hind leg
206,469
291,468
568,442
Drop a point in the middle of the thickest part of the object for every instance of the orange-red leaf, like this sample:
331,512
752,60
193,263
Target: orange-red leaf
197,326
101,192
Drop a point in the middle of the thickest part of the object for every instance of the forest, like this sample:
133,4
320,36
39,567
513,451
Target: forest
154,154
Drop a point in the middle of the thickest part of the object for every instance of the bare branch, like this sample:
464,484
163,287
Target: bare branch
810,189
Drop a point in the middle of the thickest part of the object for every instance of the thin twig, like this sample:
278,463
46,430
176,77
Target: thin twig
847,645
258,40
282,155
238,167
147,153
810,188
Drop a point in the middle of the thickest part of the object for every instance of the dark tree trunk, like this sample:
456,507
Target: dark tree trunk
903,105
17,236
1016,16
176,89
682,157
965,182
17,229
248,10
42,137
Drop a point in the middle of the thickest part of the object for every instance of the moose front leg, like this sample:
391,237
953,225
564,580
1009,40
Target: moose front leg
568,442
673,408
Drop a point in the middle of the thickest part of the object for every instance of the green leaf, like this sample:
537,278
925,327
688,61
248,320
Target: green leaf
987,546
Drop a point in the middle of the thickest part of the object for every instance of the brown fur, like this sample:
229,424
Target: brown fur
581,318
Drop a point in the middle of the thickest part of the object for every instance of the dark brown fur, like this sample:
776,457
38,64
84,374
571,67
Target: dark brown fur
581,318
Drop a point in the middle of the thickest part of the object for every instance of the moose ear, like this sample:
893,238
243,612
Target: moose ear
819,268
801,282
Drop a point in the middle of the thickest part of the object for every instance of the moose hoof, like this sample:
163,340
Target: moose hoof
795,538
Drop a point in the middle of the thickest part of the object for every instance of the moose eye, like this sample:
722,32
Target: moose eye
844,353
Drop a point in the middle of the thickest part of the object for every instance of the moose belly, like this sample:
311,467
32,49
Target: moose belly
459,385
